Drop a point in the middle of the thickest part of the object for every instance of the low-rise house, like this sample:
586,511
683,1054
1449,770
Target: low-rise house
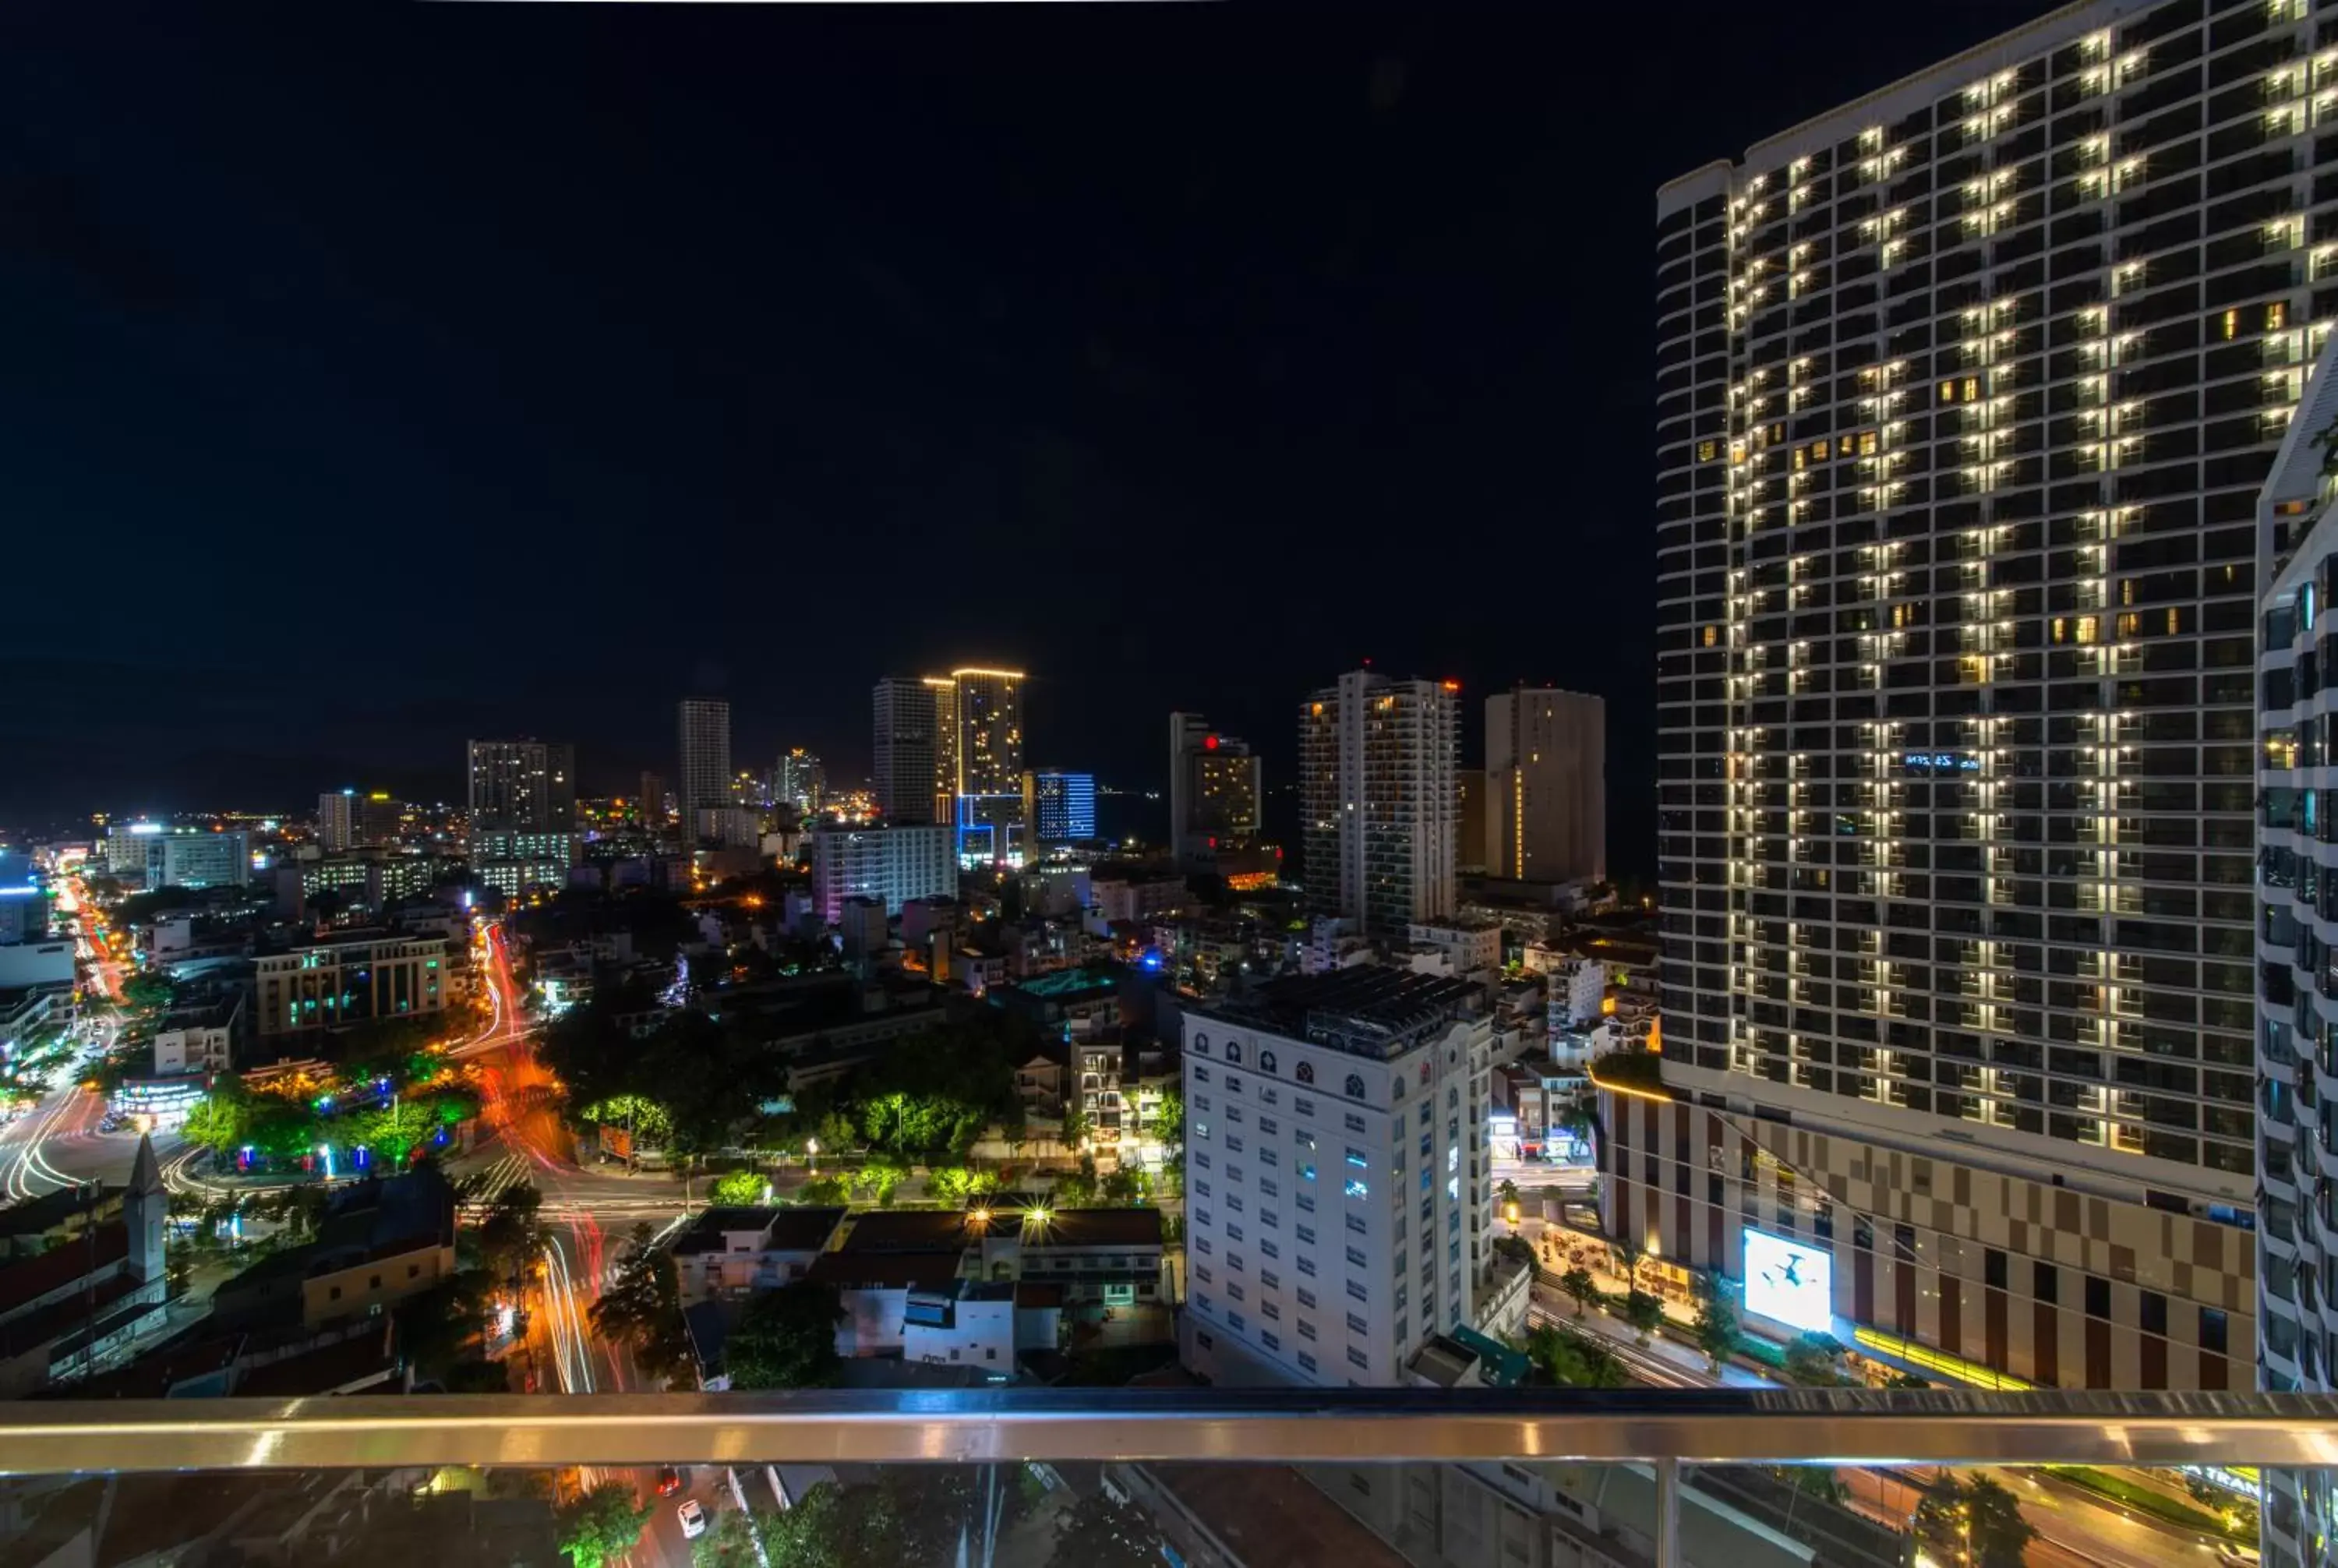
737,1252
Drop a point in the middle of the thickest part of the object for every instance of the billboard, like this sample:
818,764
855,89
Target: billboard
1788,1282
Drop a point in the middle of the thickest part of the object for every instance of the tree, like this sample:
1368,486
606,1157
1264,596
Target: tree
1811,1358
1976,1521
834,1526
1077,1126
1098,1533
1644,1312
1507,1192
1126,1188
1573,1360
786,1339
642,1307
511,1232
601,1524
731,1544
1629,1253
740,1189
1076,1188
1717,1329
1578,1283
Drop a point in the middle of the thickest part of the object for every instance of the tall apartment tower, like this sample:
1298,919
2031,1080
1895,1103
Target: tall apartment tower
336,819
703,748
522,786
988,709
1964,395
1547,785
907,773
799,780
1215,798
1378,760
2297,890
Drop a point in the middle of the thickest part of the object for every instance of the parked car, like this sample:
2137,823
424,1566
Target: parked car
669,1481
693,1517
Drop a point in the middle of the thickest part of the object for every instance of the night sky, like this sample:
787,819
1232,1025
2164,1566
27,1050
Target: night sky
374,377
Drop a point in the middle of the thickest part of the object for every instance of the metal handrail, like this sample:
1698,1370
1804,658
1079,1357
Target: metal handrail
1270,1427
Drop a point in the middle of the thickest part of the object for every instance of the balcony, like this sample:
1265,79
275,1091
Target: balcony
1654,1478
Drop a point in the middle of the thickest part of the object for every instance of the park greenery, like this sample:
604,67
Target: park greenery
697,1084
1718,1329
393,1110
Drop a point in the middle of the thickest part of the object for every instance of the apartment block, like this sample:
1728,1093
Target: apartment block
1965,392
351,977
1380,807
895,864
1546,813
1336,1175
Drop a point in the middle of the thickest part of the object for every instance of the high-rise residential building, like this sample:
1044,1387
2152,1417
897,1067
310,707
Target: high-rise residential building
337,820
190,857
1059,808
989,759
894,862
1382,814
652,801
381,817
946,742
2296,966
1214,802
1547,785
1964,394
1336,1189
522,786
909,779
799,781
1476,837
703,748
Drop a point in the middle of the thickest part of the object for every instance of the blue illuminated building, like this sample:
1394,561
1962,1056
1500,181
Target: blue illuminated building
1059,806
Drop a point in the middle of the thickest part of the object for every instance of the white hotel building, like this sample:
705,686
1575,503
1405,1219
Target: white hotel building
1336,1197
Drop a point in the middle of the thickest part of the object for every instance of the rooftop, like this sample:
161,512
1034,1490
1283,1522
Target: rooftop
1365,1010
887,1270
783,1228
24,1282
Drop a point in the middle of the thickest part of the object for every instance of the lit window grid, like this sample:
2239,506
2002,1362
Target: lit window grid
1751,501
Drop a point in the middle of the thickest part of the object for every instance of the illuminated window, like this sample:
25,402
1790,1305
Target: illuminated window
1777,432
2059,628
1948,391
1798,459
2175,620
1843,448
2276,316
1705,449
2126,592
1867,444
2089,628
1972,387
1712,635
2232,324
1818,451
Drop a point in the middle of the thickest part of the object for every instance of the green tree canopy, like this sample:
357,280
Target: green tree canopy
741,1188
1974,1520
1573,1361
601,1524
1718,1329
642,1309
786,1339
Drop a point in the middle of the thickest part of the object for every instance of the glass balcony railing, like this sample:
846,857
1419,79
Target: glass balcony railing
1028,1478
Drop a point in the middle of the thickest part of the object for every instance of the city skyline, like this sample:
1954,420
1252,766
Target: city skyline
1106,424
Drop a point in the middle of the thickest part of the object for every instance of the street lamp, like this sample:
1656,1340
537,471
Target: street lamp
812,1148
